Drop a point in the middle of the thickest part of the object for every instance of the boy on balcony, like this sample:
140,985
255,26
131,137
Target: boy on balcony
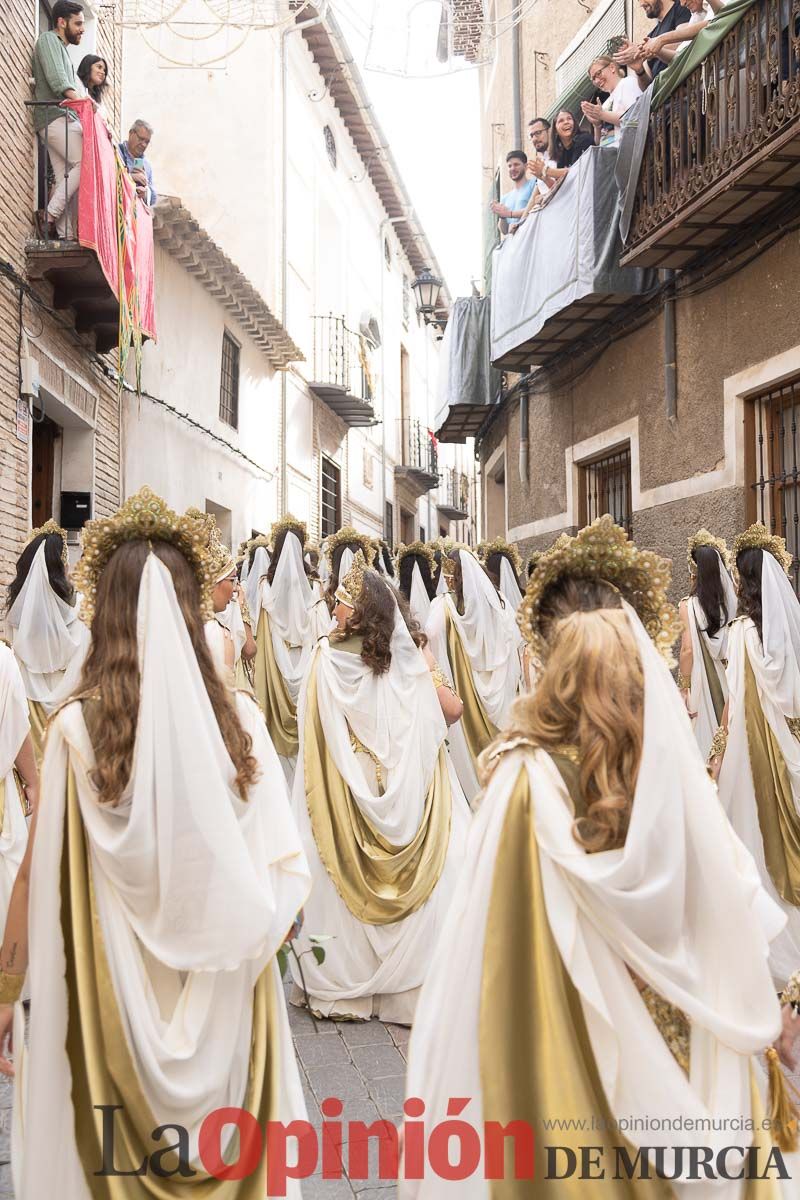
511,207
59,128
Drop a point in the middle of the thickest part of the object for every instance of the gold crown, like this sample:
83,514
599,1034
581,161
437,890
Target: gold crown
704,538
220,558
422,549
500,546
349,534
602,551
534,558
144,517
256,543
50,526
351,586
289,523
758,537
312,548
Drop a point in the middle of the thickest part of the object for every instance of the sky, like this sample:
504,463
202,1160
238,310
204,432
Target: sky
433,127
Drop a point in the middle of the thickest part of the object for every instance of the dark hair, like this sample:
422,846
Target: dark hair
520,154
85,70
53,549
333,578
407,570
557,149
276,554
458,580
708,588
63,10
748,564
373,619
539,121
492,568
386,555
252,557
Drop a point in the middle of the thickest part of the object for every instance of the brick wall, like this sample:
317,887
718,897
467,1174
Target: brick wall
16,207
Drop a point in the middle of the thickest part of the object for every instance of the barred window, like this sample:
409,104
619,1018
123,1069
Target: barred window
331,497
229,381
388,524
773,453
606,488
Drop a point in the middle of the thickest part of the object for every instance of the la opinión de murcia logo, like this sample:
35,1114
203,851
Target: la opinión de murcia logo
453,1149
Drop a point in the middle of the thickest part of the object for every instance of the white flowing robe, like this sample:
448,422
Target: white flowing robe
186,935
14,728
376,969
681,904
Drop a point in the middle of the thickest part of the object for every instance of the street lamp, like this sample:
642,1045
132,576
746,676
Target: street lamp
427,288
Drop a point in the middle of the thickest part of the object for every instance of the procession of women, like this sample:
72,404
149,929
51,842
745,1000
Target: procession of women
539,813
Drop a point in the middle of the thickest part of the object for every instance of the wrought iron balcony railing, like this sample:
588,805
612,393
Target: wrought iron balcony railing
718,151
343,375
419,466
454,491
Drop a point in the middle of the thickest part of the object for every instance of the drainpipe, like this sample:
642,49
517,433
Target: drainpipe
670,350
516,84
524,417
283,490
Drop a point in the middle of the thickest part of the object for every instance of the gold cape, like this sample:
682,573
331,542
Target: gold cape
101,1064
478,729
378,882
272,693
38,718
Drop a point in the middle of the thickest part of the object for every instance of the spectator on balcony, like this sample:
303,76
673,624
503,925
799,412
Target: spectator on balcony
54,79
511,207
139,168
567,144
93,74
540,161
623,92
669,14
703,11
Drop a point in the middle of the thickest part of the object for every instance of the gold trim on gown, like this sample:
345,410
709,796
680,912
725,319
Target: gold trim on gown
272,693
102,1067
477,728
38,718
378,882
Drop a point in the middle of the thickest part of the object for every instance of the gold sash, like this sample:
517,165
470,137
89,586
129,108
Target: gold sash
38,718
536,1058
103,1071
714,685
777,814
379,883
272,693
478,729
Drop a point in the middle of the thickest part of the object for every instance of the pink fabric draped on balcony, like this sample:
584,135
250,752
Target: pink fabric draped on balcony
114,222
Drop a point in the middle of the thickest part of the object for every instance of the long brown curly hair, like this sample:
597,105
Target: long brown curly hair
373,620
110,683
590,695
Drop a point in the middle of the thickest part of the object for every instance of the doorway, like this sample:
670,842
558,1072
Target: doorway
407,527
43,461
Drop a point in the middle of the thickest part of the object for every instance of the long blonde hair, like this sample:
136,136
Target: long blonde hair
590,695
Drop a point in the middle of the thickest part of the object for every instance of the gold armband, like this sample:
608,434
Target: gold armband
10,987
791,993
794,726
684,682
439,678
719,743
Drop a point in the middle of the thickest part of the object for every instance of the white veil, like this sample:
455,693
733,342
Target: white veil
419,601
345,562
288,601
779,663
49,639
322,568
491,639
252,589
509,588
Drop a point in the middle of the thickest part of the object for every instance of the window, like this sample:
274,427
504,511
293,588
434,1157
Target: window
369,468
606,488
388,523
406,301
330,145
229,382
422,533
387,253
331,497
774,475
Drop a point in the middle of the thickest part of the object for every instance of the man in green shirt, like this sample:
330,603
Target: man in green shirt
60,129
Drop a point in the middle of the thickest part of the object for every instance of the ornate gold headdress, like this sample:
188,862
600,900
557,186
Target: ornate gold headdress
602,551
260,542
144,517
312,548
423,549
351,586
758,537
500,546
534,558
50,526
289,522
704,538
349,534
221,562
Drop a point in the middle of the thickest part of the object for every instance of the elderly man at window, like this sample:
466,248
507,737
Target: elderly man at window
139,168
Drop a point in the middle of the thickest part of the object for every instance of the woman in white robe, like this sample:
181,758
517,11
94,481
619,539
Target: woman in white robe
474,636
19,778
48,637
286,635
381,813
706,615
415,569
759,776
617,931
503,565
167,871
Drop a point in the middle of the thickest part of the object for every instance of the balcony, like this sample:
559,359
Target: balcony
453,502
468,385
723,145
419,468
557,285
104,261
342,371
